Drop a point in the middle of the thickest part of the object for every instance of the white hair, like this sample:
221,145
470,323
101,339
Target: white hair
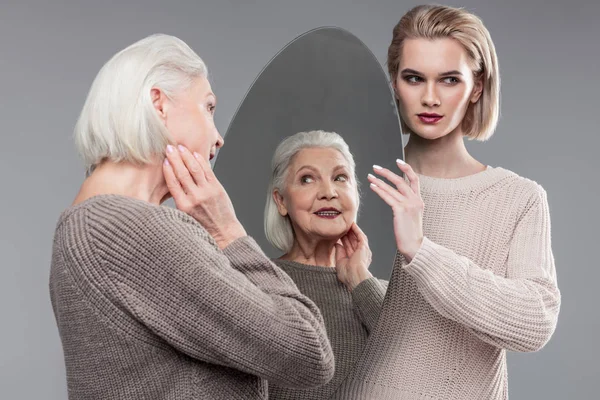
278,228
118,121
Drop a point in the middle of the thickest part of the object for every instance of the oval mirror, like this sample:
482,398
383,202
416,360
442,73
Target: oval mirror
324,79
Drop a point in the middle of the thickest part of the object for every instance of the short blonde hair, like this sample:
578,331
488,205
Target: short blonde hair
118,121
436,22
278,228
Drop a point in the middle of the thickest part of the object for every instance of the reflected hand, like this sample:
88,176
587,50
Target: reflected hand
407,206
353,258
197,192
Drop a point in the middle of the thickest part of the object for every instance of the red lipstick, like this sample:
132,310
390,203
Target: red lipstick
429,118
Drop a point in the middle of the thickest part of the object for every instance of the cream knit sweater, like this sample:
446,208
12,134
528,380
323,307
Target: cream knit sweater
483,282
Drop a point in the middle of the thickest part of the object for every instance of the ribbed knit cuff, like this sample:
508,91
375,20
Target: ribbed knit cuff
426,263
368,297
243,249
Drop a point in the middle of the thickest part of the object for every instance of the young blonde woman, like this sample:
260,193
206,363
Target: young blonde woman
474,274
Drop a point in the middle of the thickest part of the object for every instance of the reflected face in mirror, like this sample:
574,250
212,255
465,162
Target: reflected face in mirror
189,117
337,81
320,196
435,85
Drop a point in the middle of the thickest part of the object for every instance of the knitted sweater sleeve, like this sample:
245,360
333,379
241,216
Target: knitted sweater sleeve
232,308
517,312
368,297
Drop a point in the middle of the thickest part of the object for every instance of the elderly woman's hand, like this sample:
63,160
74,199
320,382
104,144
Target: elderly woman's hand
197,192
407,206
353,258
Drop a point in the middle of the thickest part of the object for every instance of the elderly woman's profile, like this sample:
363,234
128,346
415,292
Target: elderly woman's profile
164,303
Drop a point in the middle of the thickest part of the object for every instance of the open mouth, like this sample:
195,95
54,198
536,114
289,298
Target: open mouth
329,213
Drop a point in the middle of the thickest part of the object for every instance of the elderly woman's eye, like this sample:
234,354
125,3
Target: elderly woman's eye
341,178
306,179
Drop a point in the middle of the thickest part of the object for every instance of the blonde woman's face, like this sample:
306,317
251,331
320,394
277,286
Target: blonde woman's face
320,197
434,86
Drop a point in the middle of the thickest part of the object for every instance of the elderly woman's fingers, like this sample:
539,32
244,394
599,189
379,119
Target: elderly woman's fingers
193,166
360,234
181,172
347,245
173,183
209,174
340,252
353,237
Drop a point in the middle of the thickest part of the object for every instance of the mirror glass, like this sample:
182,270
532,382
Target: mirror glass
324,79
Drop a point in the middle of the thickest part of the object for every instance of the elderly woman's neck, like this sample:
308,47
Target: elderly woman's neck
143,182
317,252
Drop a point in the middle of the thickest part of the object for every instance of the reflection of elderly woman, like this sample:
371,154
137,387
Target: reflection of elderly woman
312,204
153,302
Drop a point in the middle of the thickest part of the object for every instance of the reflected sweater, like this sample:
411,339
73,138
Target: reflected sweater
349,316
483,282
149,307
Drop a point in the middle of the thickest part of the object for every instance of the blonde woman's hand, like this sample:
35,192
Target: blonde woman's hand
406,203
353,258
197,192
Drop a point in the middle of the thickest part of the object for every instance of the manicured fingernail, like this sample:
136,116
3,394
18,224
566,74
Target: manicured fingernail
167,162
401,162
373,185
371,176
181,148
377,167
196,155
169,148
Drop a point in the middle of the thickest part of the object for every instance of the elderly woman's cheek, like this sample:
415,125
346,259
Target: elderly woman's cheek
351,199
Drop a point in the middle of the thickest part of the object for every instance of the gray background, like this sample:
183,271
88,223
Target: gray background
51,51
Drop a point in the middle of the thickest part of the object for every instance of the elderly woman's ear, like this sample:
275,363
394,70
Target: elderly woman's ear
159,100
278,198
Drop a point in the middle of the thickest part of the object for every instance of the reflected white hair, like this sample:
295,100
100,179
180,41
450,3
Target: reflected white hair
118,121
278,228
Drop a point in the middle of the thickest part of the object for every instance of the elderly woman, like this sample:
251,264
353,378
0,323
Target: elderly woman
163,303
310,215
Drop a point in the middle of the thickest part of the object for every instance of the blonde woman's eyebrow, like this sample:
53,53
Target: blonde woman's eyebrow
415,72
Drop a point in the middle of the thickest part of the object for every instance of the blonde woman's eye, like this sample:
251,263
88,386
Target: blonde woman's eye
341,178
451,80
413,79
211,108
